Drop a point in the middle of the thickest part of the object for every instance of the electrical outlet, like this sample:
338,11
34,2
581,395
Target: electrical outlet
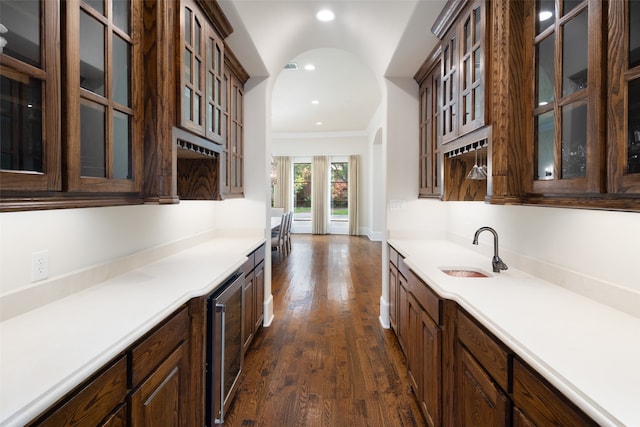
39,265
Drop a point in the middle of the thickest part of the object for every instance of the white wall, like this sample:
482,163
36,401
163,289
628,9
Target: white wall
80,238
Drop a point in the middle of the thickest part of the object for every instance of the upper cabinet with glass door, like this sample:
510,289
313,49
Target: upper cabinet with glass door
567,117
624,98
462,101
201,74
29,96
102,99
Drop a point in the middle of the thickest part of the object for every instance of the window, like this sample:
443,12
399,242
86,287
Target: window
339,191
302,191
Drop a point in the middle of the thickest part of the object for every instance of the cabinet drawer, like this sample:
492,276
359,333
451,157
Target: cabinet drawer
393,256
93,402
428,299
249,264
493,357
147,355
259,255
541,402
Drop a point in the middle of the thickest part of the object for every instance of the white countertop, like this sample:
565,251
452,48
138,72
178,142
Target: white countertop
46,352
589,351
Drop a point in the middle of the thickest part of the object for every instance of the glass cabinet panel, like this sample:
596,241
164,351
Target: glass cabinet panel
574,141
21,123
633,111
574,56
23,41
92,138
92,53
545,15
545,146
634,33
545,71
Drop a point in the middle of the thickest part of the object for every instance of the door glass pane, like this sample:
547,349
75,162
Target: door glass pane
569,5
574,54
197,38
22,20
91,54
186,104
187,65
97,5
209,117
196,74
544,145
339,191
21,124
633,149
545,71
121,70
196,109
302,191
634,33
574,141
545,14
92,141
121,14
477,24
467,36
187,26
121,146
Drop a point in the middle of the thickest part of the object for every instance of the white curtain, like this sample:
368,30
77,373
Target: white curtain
282,190
319,191
353,195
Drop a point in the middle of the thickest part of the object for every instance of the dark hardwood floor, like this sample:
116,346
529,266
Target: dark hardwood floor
326,360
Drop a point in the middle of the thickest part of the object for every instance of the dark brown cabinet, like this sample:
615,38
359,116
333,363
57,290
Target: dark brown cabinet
482,376
460,373
479,401
99,401
417,313
159,375
393,288
148,385
253,297
541,402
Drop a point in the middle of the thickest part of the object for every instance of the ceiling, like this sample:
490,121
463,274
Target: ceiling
368,41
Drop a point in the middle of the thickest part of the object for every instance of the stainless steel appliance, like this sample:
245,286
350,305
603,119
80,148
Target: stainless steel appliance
224,347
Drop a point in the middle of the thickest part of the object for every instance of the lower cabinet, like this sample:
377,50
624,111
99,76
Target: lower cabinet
100,401
253,295
159,380
462,374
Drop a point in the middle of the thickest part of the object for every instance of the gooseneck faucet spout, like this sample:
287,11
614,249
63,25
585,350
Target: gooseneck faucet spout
496,262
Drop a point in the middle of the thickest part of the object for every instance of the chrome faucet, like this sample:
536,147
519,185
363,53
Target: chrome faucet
497,263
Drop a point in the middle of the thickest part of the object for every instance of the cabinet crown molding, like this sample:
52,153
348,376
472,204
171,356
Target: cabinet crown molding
447,17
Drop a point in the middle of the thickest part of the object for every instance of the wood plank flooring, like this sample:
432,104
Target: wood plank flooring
326,360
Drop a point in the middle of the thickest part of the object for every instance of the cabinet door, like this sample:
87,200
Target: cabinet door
624,97
393,296
248,292
118,419
472,69
93,402
542,403
479,401
449,82
431,363
258,316
160,399
403,314
414,344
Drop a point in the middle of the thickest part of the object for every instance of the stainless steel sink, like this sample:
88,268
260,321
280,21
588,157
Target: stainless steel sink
463,272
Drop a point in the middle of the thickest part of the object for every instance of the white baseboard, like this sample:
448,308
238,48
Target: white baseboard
384,313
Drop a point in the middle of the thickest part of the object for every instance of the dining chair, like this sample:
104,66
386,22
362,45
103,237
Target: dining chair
287,233
278,239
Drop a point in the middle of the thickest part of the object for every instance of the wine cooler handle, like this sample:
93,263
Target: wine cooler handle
220,308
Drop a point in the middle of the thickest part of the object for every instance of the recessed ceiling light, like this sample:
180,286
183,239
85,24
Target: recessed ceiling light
315,102
325,15
309,67
318,123
544,15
